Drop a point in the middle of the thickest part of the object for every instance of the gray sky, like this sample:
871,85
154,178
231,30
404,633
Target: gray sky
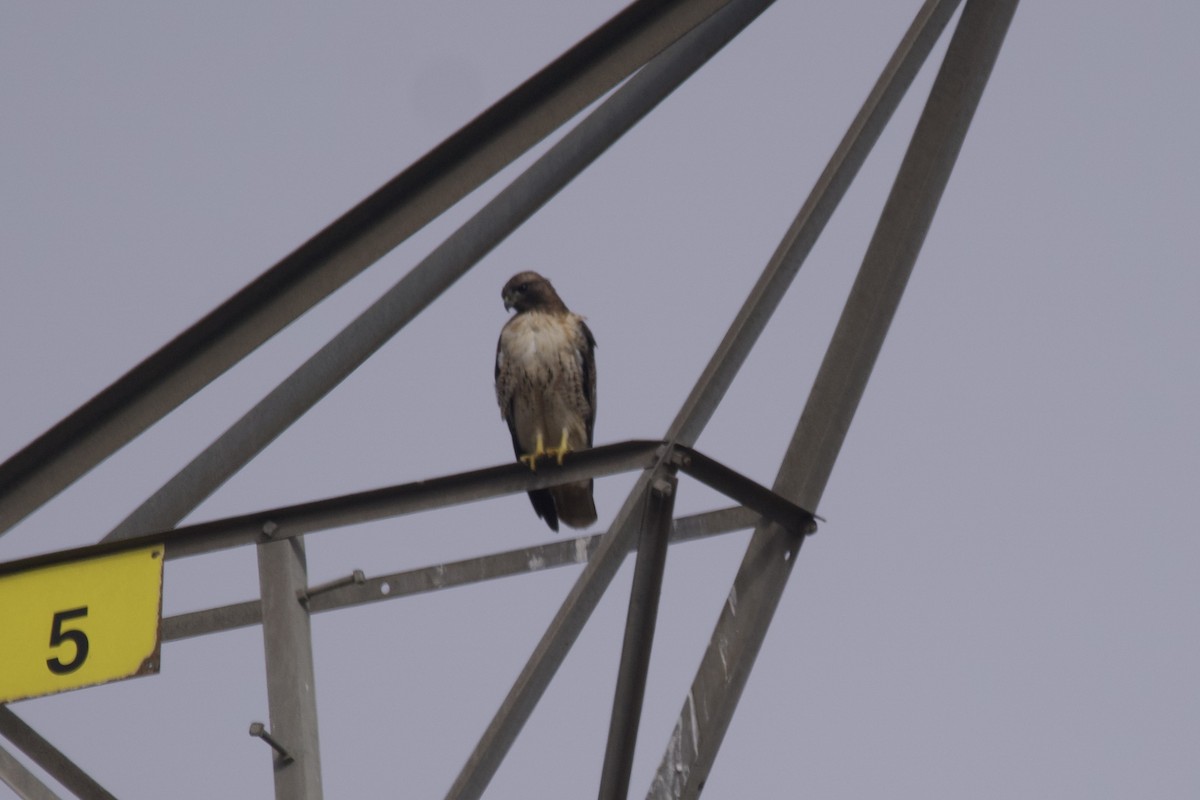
1003,602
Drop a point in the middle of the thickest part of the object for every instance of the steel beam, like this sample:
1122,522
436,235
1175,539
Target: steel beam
289,521
725,666
50,758
838,387
750,494
291,688
513,562
552,649
559,553
434,274
212,620
824,198
639,637
24,783
357,239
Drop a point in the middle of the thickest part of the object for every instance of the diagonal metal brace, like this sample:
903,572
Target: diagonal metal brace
749,493
50,758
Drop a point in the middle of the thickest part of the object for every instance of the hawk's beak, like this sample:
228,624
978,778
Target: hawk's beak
508,304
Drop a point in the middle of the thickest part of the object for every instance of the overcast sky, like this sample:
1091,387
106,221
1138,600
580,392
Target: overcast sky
1003,602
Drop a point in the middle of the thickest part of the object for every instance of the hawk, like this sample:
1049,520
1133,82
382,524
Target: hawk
546,387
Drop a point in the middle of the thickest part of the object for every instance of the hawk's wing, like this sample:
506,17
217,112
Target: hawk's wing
587,363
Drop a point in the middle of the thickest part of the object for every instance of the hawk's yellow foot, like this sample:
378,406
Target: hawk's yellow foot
562,449
531,458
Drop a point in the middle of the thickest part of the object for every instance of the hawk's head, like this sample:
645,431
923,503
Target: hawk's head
528,291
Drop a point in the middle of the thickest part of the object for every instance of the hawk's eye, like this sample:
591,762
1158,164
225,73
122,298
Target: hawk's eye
522,288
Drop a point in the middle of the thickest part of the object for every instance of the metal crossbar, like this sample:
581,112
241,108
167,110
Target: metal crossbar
354,591
289,522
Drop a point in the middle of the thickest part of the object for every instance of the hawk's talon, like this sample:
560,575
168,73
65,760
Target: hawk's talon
531,458
562,449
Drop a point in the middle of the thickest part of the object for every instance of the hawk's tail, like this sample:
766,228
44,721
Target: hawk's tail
574,504
543,504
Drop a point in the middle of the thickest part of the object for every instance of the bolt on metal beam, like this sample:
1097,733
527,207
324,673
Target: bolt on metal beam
355,578
259,731
50,758
839,385
639,637
342,250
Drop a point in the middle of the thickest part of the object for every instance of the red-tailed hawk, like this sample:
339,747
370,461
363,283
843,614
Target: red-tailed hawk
546,387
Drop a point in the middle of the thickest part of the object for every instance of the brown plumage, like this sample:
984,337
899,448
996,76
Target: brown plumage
546,387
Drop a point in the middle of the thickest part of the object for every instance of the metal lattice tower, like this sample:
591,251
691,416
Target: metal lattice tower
656,45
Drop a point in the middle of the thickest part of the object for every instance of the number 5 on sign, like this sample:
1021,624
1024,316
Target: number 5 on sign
80,623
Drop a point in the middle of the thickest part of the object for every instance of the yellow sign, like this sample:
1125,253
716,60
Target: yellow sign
80,623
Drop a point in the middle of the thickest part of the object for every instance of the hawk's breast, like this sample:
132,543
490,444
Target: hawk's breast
540,375
538,347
